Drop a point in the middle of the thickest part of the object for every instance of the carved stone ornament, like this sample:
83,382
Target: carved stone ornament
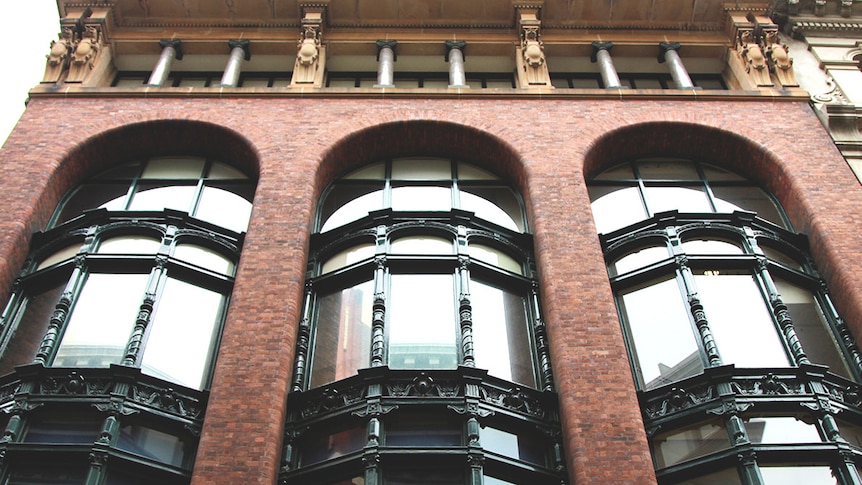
779,60
753,58
310,53
533,70
58,56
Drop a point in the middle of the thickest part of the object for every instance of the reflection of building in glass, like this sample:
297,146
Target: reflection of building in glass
431,242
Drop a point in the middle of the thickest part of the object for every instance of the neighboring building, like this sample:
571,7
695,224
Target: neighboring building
827,49
428,242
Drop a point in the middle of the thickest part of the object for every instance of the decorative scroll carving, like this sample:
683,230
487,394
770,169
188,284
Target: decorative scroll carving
514,399
769,385
779,60
311,54
84,55
167,400
75,383
333,399
678,399
58,56
530,58
754,58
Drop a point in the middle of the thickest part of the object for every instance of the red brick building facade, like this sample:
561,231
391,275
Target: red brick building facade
546,146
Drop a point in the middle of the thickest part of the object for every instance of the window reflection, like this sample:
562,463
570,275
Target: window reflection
524,446
615,207
740,321
421,245
639,259
797,475
423,339
129,245
665,347
343,338
689,442
204,257
683,199
181,337
64,254
500,334
495,257
348,257
101,321
780,429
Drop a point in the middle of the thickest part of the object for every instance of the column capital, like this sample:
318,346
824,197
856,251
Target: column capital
664,47
600,46
242,44
455,44
391,44
176,44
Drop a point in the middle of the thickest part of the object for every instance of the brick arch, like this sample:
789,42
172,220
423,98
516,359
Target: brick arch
716,146
421,137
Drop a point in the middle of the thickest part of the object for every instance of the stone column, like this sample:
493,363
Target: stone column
602,55
386,63
239,52
455,58
668,53
170,51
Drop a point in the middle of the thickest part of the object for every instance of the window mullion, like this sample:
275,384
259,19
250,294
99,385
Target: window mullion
695,307
61,312
302,341
541,335
378,313
465,313
145,313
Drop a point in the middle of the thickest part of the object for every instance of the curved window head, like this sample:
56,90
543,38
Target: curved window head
425,185
150,288
208,190
634,191
420,274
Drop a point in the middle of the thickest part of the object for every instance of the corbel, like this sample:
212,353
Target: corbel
58,57
753,57
530,54
311,53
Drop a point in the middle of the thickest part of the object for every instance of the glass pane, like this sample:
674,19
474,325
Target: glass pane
375,171
740,320
193,82
422,322
714,173
472,172
617,172
421,245
683,199
63,429
495,257
710,246
645,83
851,432
101,321
723,477
522,446
494,204
129,245
155,445
489,480
174,168
56,475
179,347
615,207
224,208
665,348
204,257
811,328
797,475
421,199
31,329
666,169
422,430
357,202
586,83
783,258
501,340
348,257
220,170
638,259
68,252
91,196
689,442
152,198
729,199
342,342
421,169
780,430
317,447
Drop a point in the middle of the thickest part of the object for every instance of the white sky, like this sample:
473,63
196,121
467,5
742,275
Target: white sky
28,45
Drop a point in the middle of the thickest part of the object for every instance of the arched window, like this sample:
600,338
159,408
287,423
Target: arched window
719,300
124,295
422,293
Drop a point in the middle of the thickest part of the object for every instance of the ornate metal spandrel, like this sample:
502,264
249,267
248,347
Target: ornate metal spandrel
75,383
331,399
167,400
769,384
522,401
677,399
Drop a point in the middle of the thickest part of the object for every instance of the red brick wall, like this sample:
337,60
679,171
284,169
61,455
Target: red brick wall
543,146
